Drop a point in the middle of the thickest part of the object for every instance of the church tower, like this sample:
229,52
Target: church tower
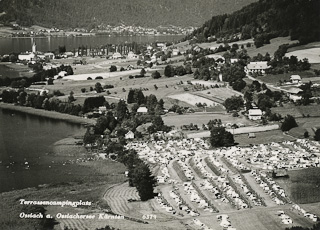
34,47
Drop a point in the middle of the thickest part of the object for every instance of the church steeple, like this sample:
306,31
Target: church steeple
34,47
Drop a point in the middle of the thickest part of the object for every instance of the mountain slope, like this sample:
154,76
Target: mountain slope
83,13
267,19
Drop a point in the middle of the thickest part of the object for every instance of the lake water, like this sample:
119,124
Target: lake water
28,138
18,45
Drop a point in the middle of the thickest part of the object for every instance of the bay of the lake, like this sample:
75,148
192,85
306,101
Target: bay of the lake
26,142
44,44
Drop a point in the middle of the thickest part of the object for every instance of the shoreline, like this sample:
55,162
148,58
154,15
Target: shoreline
48,114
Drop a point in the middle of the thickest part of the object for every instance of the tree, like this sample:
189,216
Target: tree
288,123
156,75
89,137
144,181
317,135
98,87
122,110
143,72
50,81
234,103
113,68
169,71
219,137
71,97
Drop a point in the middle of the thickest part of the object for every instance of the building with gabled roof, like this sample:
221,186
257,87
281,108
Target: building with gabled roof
255,114
256,67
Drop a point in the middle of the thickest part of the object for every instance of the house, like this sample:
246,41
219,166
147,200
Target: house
27,56
102,109
116,55
217,58
142,110
129,135
293,94
295,79
175,52
234,60
255,114
257,67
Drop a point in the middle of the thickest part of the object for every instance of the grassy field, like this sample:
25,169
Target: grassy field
202,118
274,79
270,48
166,87
297,111
14,70
303,185
262,138
312,54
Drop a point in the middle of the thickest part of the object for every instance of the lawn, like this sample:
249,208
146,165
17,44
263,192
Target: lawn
312,54
203,118
262,138
275,78
298,111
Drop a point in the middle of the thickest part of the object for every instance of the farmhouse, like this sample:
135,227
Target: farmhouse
175,52
295,79
142,110
255,114
256,67
116,55
293,94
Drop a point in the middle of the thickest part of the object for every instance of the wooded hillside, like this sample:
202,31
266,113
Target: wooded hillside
82,13
267,19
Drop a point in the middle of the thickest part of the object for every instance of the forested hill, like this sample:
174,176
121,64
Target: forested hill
266,19
90,13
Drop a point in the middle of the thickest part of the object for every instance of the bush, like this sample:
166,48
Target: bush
99,78
89,78
288,123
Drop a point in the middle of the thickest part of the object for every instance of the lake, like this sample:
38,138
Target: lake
18,45
28,138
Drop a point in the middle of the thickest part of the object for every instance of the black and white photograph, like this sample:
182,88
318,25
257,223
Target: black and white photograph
160,115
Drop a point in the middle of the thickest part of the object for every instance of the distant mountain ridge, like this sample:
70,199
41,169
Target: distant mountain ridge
84,13
264,20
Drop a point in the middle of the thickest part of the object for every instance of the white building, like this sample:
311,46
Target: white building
295,79
116,55
142,110
257,67
255,114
